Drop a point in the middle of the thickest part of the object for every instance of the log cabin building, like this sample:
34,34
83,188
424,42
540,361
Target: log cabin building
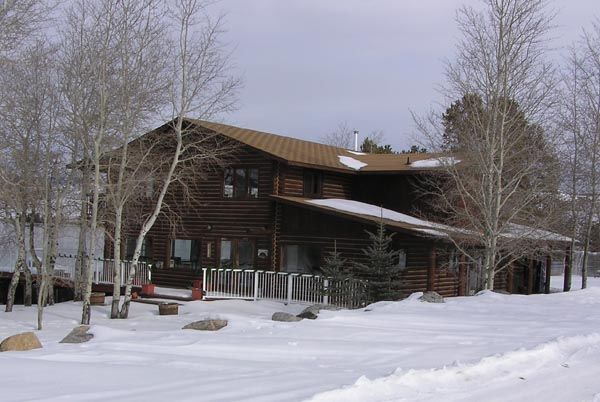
281,204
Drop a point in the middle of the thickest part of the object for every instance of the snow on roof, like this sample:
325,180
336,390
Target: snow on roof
435,162
428,227
351,162
357,153
361,208
521,231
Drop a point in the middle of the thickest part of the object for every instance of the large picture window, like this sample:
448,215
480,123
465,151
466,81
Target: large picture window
300,258
185,253
240,183
237,253
146,252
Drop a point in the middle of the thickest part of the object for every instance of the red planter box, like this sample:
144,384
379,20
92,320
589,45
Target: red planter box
148,288
197,284
196,294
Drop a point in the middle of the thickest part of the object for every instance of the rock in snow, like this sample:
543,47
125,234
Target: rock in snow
307,314
285,317
207,325
316,309
432,297
78,335
20,342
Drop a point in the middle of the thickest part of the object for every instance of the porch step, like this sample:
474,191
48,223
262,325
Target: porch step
175,278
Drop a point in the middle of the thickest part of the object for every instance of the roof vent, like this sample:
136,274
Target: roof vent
355,140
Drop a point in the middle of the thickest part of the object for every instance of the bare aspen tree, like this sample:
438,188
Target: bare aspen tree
88,62
499,195
19,21
570,124
138,87
583,125
201,87
342,136
25,112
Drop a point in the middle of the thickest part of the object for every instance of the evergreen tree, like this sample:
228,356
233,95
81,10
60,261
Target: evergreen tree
371,146
334,264
381,269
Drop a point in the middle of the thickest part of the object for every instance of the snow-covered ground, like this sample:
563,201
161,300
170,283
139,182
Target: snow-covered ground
490,347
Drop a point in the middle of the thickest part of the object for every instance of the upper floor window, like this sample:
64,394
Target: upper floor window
313,183
240,183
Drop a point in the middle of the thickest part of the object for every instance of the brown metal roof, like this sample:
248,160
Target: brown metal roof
313,154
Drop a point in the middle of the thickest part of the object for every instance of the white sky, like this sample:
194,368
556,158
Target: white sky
308,65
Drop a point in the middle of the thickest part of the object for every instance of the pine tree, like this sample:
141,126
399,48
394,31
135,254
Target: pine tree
334,264
381,269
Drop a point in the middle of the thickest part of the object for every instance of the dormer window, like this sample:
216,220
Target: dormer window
313,183
240,183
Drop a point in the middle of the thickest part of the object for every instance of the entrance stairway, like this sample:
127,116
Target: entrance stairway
180,278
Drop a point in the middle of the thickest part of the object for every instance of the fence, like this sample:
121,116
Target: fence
593,265
102,270
281,286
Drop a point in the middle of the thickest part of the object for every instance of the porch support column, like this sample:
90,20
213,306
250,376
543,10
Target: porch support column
462,276
567,270
530,271
548,274
431,271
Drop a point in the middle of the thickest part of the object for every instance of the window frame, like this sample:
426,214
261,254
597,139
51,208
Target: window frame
312,175
246,193
235,252
312,270
172,261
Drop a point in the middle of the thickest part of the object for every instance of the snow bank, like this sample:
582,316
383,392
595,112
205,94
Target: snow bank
491,347
351,162
456,381
435,162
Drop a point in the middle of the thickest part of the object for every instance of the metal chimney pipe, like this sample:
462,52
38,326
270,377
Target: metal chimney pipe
355,140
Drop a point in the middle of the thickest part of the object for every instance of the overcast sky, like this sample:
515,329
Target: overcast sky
308,65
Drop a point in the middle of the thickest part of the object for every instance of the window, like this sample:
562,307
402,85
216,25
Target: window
237,253
401,258
185,253
146,251
313,183
240,183
300,258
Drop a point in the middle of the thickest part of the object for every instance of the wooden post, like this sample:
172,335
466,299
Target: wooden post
462,276
510,278
548,274
431,271
530,276
567,282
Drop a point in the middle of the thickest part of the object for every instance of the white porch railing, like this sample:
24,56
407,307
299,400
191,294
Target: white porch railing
102,270
280,286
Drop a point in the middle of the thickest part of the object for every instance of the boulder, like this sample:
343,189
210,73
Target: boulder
20,342
207,325
316,308
307,314
432,297
285,317
78,335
